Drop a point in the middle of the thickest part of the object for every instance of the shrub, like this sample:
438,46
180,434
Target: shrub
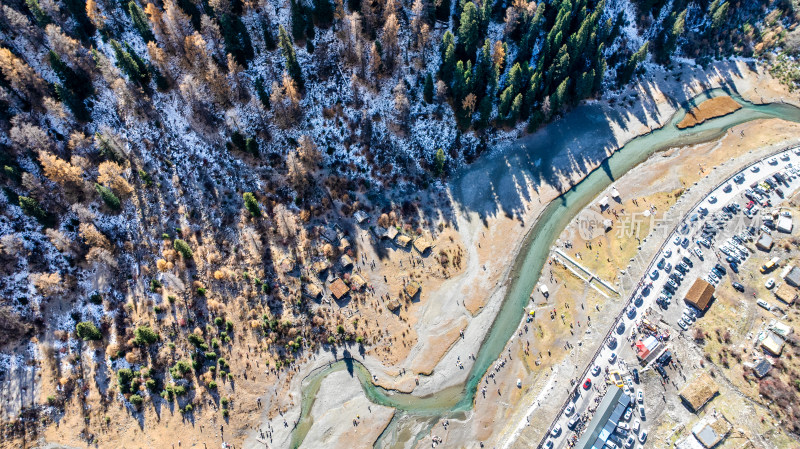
340,329
96,298
360,340
124,378
201,291
32,208
331,340
187,409
180,369
171,299
183,248
229,326
251,204
108,197
136,400
212,385
225,413
51,399
87,331
224,402
218,321
155,284
145,336
195,339
151,384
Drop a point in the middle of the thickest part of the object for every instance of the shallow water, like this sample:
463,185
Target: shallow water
528,161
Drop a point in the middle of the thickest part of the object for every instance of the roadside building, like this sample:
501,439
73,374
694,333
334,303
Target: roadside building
386,233
712,429
320,266
785,224
764,242
700,294
393,304
771,343
786,293
339,289
792,276
605,420
698,392
647,349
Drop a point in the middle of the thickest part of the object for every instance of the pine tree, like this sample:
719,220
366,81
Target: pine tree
269,39
263,96
438,162
559,97
427,90
292,66
77,9
323,13
468,30
140,22
108,197
237,39
448,52
676,26
38,13
128,64
516,106
298,20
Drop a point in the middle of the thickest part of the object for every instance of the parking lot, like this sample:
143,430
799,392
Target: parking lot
709,243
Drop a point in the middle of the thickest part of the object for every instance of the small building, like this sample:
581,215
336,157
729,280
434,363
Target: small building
782,329
786,293
402,240
762,368
603,203
393,304
412,289
346,261
312,291
360,216
357,282
772,343
422,245
344,244
712,429
386,233
792,276
339,289
321,266
764,242
785,224
698,392
700,294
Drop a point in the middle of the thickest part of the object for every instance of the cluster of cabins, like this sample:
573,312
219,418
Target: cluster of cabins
341,286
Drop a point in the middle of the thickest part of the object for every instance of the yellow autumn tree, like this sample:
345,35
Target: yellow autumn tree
60,171
110,175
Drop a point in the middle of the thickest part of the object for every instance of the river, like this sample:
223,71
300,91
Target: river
529,158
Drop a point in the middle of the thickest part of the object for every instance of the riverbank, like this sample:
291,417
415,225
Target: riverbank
713,108
493,218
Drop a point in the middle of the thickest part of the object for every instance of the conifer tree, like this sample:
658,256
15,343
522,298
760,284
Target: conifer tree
269,39
140,22
237,39
128,64
42,18
298,20
469,30
292,66
427,90
263,96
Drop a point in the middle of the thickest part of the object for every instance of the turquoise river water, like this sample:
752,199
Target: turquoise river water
528,158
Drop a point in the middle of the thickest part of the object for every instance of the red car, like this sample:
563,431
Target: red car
587,384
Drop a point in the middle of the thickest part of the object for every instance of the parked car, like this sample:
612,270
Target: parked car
635,426
596,370
643,435
628,414
556,430
720,268
573,422
612,358
682,324
654,275
629,442
587,384
636,375
641,412
770,283
738,286
698,252
639,397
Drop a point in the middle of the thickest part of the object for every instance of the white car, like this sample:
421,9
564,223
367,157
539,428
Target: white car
612,358
635,427
677,240
754,169
556,431
640,397
698,252
643,437
549,444
770,283
712,199
668,253
570,408
596,370
682,324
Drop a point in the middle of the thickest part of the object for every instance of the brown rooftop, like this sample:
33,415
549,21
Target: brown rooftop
338,288
699,295
699,391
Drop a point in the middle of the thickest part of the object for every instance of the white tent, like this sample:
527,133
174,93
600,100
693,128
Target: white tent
603,202
614,193
544,290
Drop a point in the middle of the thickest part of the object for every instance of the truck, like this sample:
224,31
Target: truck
770,265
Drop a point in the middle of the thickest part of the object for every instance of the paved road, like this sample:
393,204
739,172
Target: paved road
645,296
